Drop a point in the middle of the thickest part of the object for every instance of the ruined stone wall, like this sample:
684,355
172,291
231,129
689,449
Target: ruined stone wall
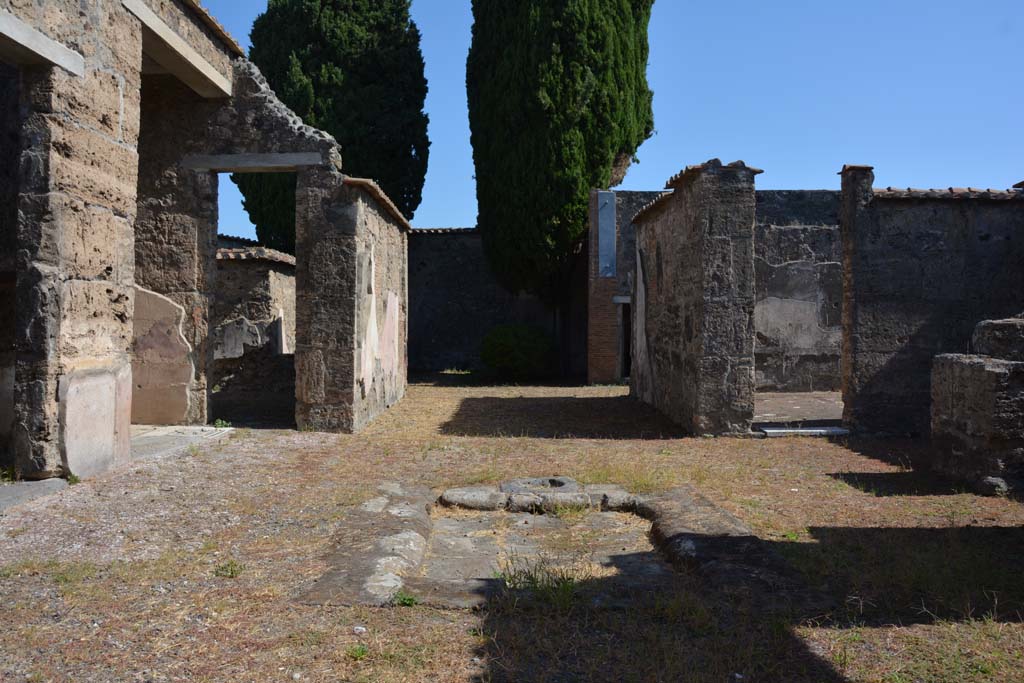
798,315
693,356
921,269
257,389
351,302
182,17
253,375
176,229
254,306
382,314
10,150
77,183
978,410
455,300
282,293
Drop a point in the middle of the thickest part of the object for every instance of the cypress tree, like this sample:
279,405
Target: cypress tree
354,69
558,104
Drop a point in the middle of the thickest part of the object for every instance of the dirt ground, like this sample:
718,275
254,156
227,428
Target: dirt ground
185,568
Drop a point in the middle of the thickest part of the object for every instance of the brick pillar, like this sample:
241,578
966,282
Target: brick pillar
325,300
858,193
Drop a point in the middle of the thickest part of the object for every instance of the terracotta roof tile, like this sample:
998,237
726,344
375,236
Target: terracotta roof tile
374,190
711,163
948,193
445,231
650,206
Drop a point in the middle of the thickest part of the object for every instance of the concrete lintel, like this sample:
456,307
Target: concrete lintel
22,44
164,46
252,163
626,299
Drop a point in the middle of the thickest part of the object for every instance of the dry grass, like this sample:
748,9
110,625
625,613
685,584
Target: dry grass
116,579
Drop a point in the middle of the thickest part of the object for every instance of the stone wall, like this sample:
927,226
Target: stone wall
455,300
257,389
254,304
10,150
610,282
693,352
176,229
798,288
77,188
798,315
978,410
162,368
921,269
351,302
253,376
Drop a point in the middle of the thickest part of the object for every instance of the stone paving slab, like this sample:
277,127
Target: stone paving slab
146,442
469,552
21,492
817,407
150,441
385,540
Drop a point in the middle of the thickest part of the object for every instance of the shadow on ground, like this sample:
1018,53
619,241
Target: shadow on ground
717,622
618,417
903,483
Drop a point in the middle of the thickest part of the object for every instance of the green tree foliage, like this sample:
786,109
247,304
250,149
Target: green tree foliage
558,104
354,69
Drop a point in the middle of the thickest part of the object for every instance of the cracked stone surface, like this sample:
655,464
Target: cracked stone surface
608,553
386,540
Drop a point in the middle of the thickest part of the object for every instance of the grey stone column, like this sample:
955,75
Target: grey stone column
325,300
857,196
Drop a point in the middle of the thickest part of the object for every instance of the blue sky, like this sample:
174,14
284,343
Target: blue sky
928,92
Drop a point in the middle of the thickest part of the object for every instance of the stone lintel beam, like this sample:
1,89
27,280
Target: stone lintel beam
165,47
252,163
22,44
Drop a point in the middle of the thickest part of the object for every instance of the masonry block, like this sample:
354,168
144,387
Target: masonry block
693,323
978,421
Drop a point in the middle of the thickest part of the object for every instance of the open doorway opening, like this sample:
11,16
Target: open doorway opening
10,150
252,323
798,311
625,341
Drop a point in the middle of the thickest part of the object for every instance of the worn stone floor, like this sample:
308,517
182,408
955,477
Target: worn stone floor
147,442
194,565
804,407
471,553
